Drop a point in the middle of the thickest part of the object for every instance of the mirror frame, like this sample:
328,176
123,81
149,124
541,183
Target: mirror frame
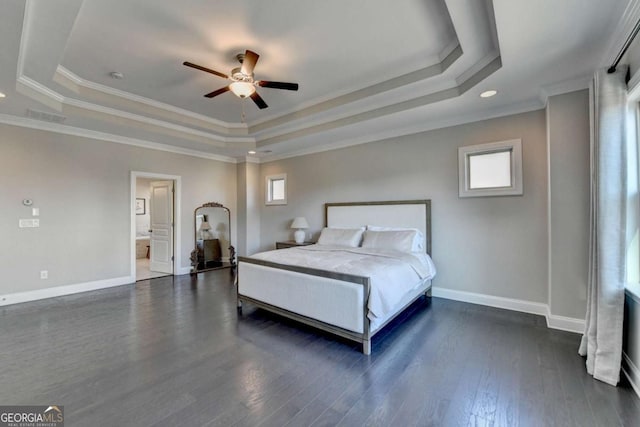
194,253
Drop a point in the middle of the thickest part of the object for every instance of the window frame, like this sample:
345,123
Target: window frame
632,248
269,201
464,153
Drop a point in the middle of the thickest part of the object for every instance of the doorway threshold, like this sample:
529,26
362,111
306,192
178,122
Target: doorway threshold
144,273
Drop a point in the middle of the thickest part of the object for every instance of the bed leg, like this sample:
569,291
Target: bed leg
366,347
239,305
428,293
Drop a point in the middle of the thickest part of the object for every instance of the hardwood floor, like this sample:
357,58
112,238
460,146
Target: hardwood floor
173,351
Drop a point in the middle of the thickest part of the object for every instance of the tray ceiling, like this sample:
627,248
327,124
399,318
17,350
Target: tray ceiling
365,68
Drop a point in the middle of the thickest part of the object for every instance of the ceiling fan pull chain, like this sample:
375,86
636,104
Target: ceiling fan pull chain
242,117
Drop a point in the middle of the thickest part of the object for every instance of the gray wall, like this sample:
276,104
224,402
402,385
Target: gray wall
241,242
82,188
494,246
248,208
568,146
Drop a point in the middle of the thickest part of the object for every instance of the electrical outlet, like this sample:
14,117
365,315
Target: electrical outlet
44,274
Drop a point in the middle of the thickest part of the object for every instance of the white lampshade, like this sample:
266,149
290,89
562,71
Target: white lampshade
242,89
300,222
205,226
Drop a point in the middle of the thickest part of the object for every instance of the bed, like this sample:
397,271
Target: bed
352,291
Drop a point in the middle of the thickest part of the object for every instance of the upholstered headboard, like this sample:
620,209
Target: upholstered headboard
400,213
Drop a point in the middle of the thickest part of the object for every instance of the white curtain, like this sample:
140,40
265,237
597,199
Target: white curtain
613,192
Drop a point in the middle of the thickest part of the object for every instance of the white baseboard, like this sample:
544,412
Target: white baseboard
563,323
57,291
553,321
183,270
492,301
631,371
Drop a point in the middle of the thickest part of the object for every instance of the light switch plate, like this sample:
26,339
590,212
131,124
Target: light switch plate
35,211
28,223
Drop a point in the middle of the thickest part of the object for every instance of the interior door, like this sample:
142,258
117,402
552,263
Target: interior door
161,211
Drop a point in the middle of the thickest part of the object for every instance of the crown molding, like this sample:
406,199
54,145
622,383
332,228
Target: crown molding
484,67
73,82
476,68
248,159
488,65
63,104
108,137
565,86
26,28
322,105
621,32
487,114
437,124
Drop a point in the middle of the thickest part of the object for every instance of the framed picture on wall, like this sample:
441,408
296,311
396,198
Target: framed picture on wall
140,207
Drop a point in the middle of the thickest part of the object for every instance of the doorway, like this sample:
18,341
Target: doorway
155,232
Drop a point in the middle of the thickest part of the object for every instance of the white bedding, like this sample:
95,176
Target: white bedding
392,273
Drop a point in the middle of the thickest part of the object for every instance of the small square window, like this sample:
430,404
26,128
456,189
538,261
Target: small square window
276,189
490,170
493,169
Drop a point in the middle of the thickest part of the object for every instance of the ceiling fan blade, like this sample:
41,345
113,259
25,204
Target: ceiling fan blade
217,92
259,101
249,62
205,69
278,85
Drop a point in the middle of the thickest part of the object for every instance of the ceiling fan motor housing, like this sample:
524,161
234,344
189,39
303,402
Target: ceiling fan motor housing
238,76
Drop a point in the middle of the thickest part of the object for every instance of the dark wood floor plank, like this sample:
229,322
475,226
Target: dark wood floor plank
324,358
531,409
463,397
507,405
429,374
394,353
174,351
323,381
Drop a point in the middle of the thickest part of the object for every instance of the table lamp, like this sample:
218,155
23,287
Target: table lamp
299,223
204,228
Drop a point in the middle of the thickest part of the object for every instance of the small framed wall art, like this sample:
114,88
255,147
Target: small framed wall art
141,207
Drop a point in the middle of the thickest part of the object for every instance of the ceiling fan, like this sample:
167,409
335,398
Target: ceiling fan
242,82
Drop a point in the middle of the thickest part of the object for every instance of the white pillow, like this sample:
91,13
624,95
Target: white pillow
350,237
398,240
418,240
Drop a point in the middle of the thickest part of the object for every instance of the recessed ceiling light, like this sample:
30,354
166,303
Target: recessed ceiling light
252,152
2,95
488,93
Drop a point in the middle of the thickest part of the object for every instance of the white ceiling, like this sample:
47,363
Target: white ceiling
367,69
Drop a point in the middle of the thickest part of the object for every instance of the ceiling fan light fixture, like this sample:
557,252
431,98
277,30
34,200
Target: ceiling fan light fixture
242,89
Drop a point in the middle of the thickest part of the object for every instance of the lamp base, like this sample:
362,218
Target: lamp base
299,236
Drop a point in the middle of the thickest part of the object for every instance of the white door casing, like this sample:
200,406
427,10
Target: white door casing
161,211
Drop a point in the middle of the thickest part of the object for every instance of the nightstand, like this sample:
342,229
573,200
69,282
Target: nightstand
291,244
